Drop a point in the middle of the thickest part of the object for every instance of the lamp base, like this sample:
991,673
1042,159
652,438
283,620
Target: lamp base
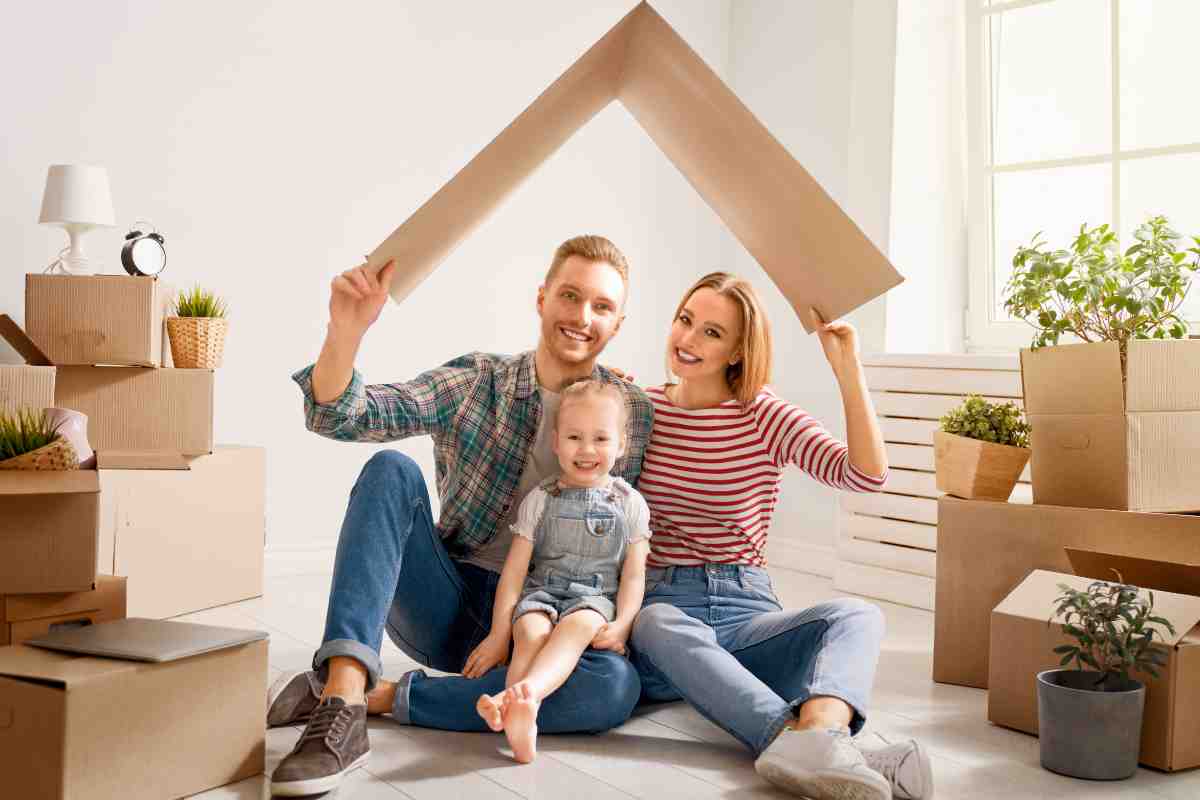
75,261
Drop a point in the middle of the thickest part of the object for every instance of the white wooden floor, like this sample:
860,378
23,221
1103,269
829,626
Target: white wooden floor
671,752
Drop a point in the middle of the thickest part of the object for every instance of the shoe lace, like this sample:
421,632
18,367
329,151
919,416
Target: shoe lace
327,721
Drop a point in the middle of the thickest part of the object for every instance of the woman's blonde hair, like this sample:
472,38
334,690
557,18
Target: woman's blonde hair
591,387
753,370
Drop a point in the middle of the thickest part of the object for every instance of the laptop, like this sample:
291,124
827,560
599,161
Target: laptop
153,640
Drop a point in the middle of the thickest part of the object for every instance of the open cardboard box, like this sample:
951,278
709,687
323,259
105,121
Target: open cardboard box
97,319
984,549
25,616
130,408
30,384
187,540
1100,442
1023,645
83,728
812,250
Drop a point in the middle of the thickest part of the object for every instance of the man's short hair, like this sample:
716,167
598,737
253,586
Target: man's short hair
593,248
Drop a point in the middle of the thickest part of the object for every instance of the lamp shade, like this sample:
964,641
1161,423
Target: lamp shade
78,195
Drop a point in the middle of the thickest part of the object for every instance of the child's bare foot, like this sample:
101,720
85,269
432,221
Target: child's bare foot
491,708
520,721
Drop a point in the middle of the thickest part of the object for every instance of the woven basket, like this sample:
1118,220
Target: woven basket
197,342
59,455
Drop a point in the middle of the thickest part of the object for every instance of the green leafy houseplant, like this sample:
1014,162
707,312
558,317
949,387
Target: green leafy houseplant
199,303
999,423
1113,627
24,431
1093,291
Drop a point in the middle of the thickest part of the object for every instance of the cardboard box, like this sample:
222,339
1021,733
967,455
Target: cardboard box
984,549
811,249
186,540
49,528
1023,644
29,384
1101,443
25,616
133,408
97,319
80,728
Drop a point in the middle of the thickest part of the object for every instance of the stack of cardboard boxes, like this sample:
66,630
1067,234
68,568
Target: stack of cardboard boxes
181,522
1116,484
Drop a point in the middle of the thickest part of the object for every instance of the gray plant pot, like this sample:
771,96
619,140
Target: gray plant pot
1086,733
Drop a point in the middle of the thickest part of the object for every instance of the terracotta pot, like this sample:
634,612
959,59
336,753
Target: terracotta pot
197,342
57,456
976,470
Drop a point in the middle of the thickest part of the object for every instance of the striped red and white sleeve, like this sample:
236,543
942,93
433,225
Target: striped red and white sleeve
793,436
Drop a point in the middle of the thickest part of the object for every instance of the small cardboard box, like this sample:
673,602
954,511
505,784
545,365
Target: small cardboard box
97,319
49,529
1100,442
24,616
133,408
29,384
82,728
1023,645
187,540
986,548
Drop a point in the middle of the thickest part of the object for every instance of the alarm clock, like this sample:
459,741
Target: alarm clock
143,253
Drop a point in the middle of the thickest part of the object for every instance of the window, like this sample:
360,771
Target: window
1078,111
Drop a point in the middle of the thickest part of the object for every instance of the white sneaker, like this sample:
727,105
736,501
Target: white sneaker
906,767
821,764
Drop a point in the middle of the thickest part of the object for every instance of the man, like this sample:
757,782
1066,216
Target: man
432,585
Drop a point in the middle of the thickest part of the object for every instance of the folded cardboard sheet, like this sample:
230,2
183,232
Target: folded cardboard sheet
811,249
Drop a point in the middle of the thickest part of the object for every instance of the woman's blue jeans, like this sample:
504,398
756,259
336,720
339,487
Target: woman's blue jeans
393,572
717,637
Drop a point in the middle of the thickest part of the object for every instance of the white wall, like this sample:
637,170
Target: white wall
276,142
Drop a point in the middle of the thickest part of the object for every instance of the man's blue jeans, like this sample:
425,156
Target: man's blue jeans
717,637
392,571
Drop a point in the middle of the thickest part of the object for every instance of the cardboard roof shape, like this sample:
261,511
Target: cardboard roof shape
813,251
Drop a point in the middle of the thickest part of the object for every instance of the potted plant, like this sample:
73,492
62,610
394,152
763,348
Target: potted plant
29,440
1090,718
197,329
980,450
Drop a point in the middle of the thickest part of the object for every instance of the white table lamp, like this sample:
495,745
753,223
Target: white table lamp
77,199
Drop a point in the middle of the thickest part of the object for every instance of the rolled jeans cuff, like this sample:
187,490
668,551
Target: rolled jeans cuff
401,712
349,649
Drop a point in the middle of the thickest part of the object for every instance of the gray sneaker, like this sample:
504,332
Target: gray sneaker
292,698
333,743
821,764
906,767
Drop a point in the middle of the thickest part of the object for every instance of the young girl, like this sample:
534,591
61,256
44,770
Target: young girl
586,535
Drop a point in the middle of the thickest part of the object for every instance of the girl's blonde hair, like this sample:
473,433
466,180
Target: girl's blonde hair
591,387
752,372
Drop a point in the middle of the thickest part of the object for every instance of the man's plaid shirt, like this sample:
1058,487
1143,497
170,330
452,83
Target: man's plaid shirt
482,411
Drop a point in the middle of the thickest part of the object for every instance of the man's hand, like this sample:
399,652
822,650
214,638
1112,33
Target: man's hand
620,373
491,651
612,636
357,296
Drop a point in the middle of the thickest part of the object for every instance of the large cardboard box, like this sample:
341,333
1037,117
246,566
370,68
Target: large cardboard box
80,728
96,319
25,616
809,246
134,408
986,548
1100,442
1023,645
187,540
28,384
49,527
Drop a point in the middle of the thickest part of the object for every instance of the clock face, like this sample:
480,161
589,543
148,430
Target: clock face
149,256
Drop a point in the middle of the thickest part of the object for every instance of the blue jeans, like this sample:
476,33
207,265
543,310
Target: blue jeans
717,637
393,572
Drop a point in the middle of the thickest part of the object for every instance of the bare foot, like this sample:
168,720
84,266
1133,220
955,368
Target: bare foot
491,708
520,721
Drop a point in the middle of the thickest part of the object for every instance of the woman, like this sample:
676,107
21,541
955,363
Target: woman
790,685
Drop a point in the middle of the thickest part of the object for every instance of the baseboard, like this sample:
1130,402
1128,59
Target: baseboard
813,559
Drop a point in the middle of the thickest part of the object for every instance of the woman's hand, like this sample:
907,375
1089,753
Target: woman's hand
491,651
612,636
839,340
357,296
